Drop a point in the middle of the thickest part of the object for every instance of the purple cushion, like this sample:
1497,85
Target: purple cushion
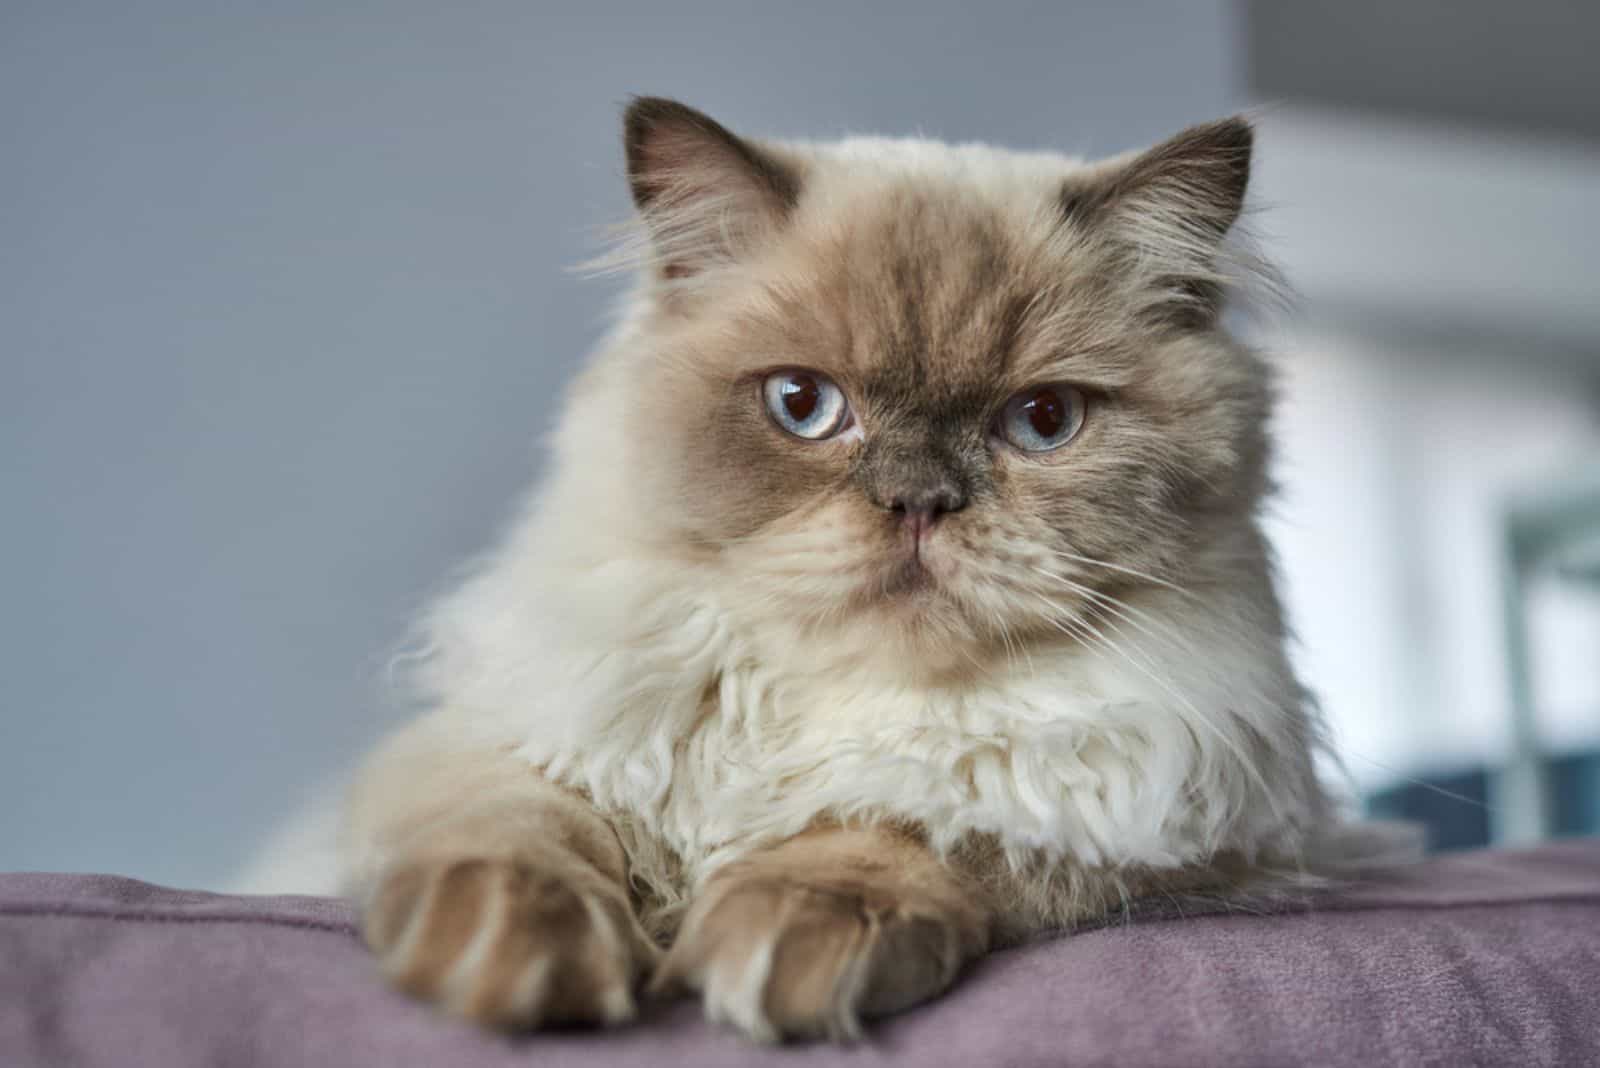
1487,958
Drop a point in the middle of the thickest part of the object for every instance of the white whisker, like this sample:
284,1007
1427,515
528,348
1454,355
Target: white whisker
1133,615
1189,706
1092,562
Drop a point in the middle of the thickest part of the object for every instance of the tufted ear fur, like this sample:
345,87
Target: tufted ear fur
1168,209
704,193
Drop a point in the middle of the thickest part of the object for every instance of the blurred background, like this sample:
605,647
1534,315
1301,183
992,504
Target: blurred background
285,308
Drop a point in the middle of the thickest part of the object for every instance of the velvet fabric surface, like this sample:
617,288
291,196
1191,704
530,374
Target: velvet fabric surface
1488,958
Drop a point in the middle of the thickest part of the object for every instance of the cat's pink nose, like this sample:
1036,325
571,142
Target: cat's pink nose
920,510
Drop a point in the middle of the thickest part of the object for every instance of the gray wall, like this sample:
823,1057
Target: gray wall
1524,67
283,310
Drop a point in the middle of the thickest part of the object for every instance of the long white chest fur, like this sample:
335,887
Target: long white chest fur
1160,745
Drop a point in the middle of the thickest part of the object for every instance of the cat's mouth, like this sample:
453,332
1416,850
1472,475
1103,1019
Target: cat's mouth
907,576
913,568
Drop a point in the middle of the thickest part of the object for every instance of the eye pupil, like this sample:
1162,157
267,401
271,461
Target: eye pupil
1046,413
801,394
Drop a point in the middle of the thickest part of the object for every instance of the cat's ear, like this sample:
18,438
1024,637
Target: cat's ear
705,194
1171,206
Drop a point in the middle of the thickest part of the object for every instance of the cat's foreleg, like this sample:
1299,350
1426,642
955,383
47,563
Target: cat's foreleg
806,938
489,891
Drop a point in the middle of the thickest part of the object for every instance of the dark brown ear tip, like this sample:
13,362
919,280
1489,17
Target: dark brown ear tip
1238,133
1226,145
646,111
1235,134
1239,126
1240,141
643,114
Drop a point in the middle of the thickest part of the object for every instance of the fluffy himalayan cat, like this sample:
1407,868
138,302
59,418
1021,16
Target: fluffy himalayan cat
896,593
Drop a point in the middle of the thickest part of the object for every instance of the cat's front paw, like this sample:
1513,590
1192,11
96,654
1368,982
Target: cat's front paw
510,943
787,958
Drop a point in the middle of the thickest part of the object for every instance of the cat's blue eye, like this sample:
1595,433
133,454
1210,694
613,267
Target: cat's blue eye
805,404
1042,418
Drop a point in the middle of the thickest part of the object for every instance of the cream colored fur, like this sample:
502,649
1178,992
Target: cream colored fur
639,681
714,698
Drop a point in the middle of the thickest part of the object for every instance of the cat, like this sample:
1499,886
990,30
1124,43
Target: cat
896,593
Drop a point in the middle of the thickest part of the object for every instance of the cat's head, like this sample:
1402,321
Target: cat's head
945,395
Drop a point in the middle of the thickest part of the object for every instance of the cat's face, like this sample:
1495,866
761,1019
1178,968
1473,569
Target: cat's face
949,392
